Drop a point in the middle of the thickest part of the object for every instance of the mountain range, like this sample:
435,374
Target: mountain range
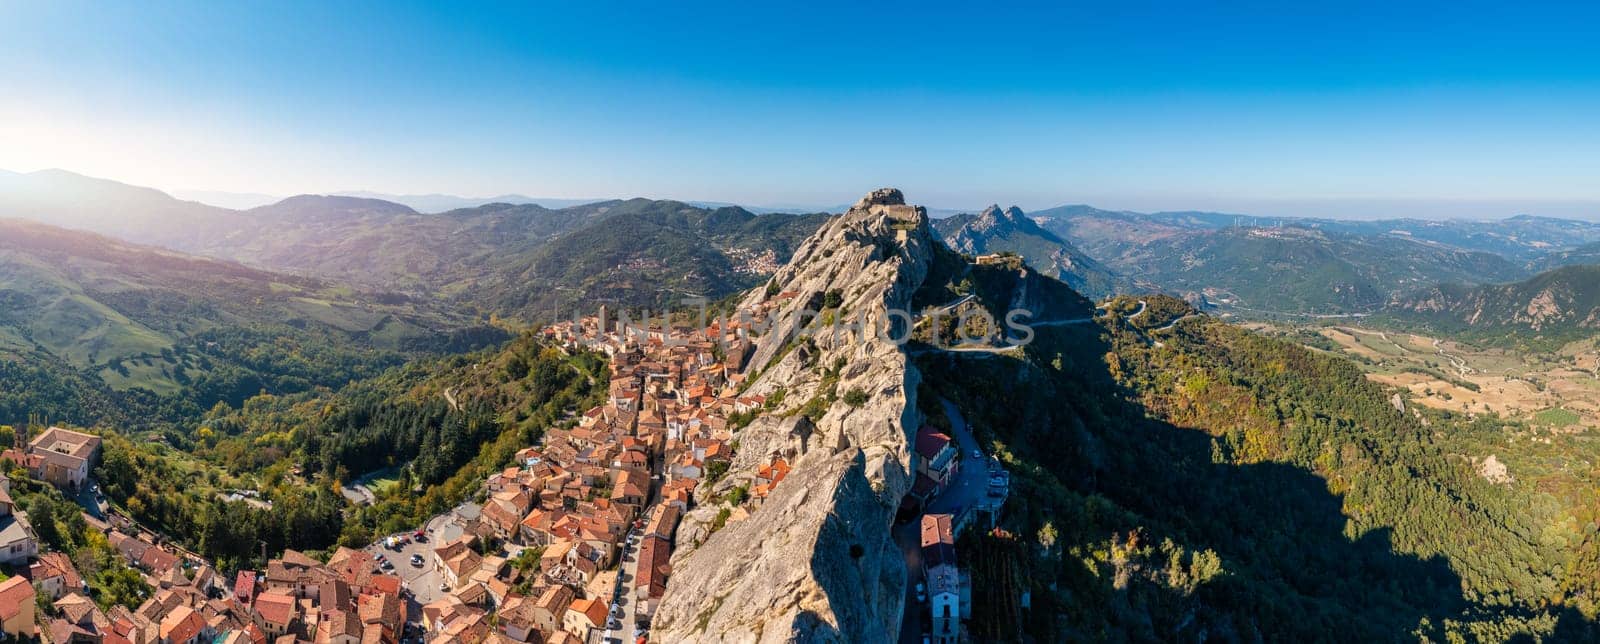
641,252
995,230
200,330
480,257
1542,312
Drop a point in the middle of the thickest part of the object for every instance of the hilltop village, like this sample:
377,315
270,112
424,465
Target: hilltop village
537,561
570,543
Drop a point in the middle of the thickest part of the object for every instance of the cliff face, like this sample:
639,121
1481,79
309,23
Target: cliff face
815,561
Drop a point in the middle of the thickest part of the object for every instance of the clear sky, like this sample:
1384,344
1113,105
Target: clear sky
1277,108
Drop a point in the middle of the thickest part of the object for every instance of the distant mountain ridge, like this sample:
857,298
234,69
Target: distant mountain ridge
436,202
1551,308
480,256
1303,270
1105,233
1010,230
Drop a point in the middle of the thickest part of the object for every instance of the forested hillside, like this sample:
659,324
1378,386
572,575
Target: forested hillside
522,262
647,253
1300,270
297,451
85,315
1541,313
1205,481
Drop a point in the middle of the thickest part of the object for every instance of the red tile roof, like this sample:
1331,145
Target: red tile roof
15,593
275,608
930,442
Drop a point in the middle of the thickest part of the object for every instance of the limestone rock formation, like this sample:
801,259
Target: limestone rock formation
815,561
998,230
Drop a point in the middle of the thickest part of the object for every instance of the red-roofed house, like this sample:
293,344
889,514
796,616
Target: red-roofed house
584,616
17,608
184,626
54,575
275,612
244,587
935,455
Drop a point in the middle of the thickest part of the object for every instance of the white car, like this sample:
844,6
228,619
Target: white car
922,593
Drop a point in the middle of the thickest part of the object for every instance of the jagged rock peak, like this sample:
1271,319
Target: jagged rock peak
995,214
882,197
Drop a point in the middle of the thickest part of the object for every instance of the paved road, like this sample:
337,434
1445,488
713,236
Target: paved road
940,311
1174,323
985,349
91,502
970,486
629,630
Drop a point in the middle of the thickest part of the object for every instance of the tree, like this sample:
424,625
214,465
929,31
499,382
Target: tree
1047,537
41,513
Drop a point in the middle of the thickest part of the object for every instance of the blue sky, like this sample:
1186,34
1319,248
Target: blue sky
1274,108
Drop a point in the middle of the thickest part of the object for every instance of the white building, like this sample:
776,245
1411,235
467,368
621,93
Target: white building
18,543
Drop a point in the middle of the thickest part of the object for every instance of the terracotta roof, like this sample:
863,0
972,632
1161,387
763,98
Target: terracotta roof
654,555
55,564
15,593
592,609
930,442
275,608
244,586
938,540
181,625
336,623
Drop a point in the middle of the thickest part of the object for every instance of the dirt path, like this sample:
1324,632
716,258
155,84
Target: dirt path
1458,363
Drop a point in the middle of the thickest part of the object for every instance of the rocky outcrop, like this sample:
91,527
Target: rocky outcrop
999,229
815,561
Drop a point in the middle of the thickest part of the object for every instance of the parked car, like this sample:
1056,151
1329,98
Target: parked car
922,593
416,561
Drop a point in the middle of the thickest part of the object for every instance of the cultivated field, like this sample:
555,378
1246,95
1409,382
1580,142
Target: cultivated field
1559,391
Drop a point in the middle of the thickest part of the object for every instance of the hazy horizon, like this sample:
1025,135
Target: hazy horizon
1300,111
1345,209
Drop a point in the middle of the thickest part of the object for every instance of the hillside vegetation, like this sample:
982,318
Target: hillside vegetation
1542,313
1298,270
84,315
297,451
1207,479
521,262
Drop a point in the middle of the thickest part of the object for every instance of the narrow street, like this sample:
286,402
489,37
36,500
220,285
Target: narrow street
628,621
970,485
